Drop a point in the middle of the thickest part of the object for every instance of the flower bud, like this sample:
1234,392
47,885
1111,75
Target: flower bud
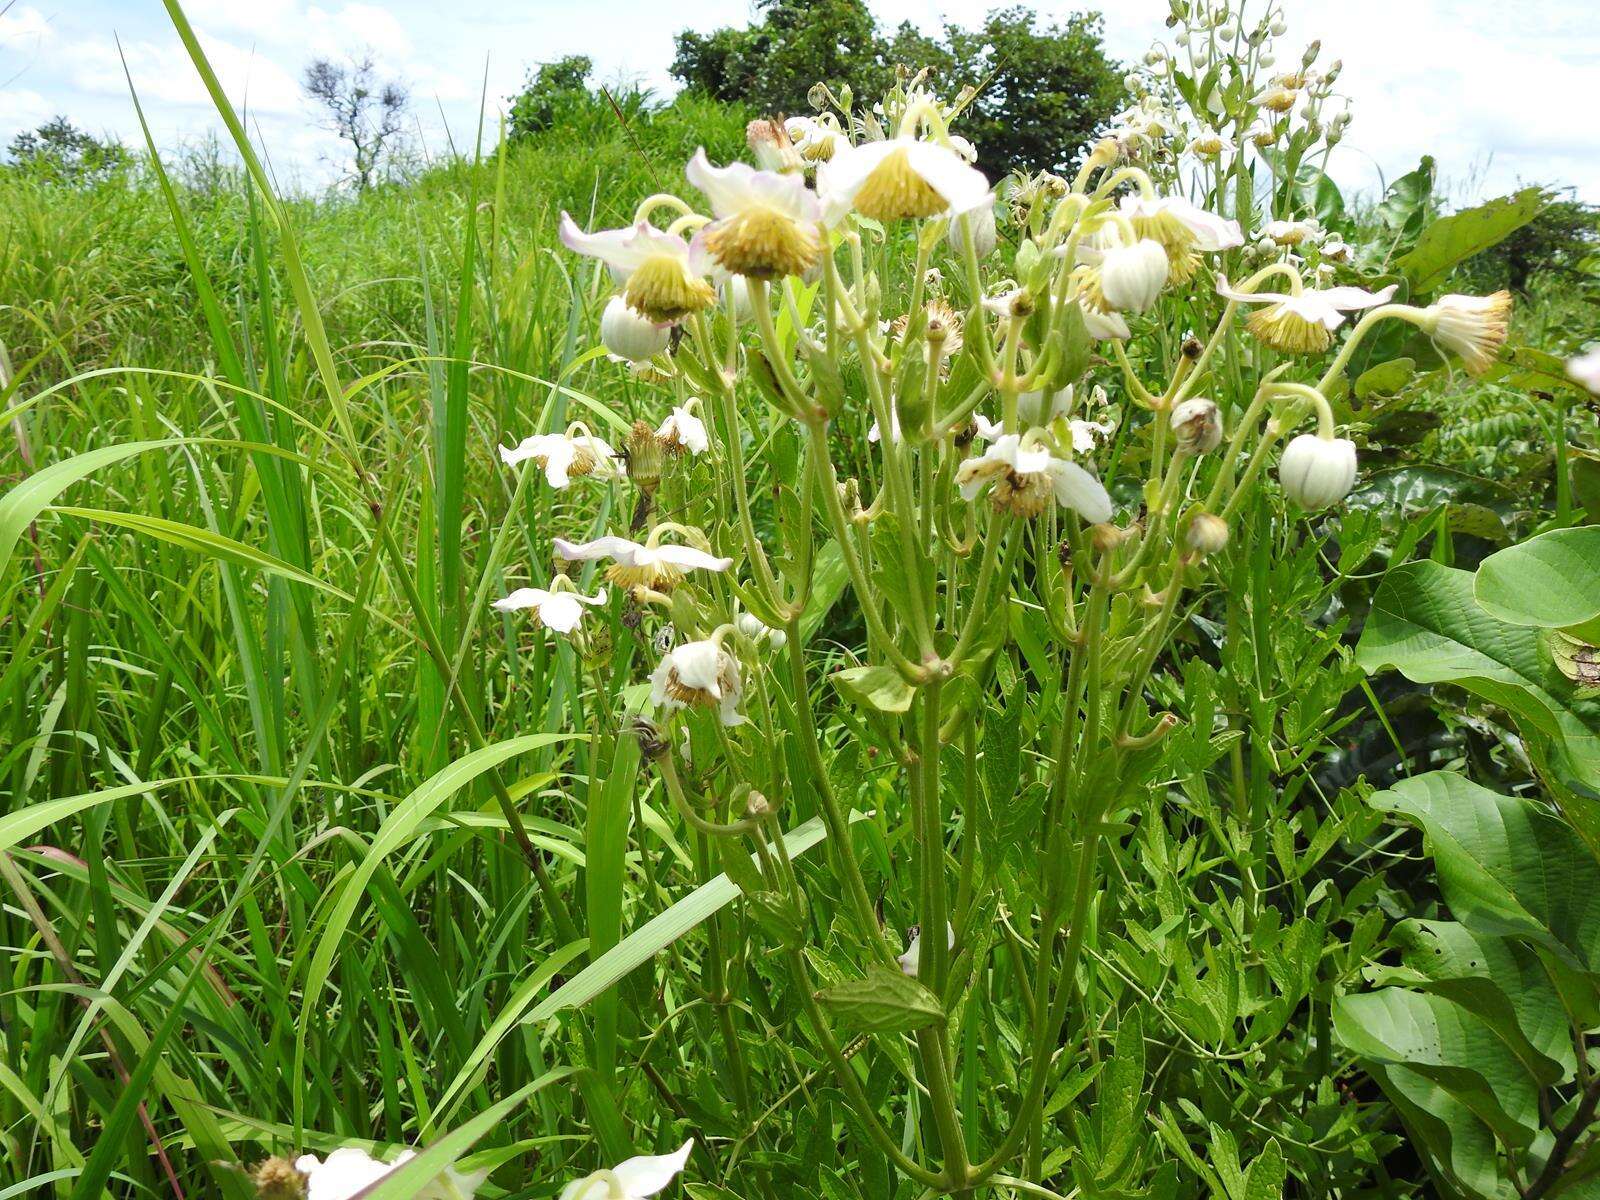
1198,426
1310,56
1279,27
645,455
1207,534
628,334
1317,471
1131,277
984,235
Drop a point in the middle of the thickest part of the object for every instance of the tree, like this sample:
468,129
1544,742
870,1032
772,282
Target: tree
1043,89
359,111
62,153
551,95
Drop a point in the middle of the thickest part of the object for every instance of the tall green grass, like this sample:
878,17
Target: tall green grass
273,775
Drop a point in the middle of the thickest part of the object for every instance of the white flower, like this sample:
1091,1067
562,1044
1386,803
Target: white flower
1472,327
629,335
1337,250
1086,435
1317,471
900,178
565,455
683,431
984,235
663,276
1172,218
766,224
557,608
1293,233
1208,143
816,140
632,1179
1111,326
634,564
758,631
967,151
911,961
1026,476
1586,369
1303,323
1131,277
349,1170
697,675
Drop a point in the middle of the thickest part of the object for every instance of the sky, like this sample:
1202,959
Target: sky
1499,93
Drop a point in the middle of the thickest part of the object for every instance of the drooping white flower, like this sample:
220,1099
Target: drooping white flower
1111,326
1294,233
683,432
1208,143
911,961
1303,323
766,222
662,276
564,456
557,608
660,566
699,675
1472,327
898,179
1183,229
1317,471
1026,476
630,335
1337,250
985,237
350,1169
1586,369
1131,277
635,1178
816,139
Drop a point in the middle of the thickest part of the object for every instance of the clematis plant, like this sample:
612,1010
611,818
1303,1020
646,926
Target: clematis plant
1060,438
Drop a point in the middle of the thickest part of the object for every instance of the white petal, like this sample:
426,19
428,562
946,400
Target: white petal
1229,292
617,248
609,546
728,188
963,187
1078,490
560,611
342,1174
687,556
521,598
1349,298
646,1175
841,177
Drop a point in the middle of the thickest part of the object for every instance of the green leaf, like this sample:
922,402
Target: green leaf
876,687
1506,867
1425,623
1551,581
1456,238
885,1001
1386,379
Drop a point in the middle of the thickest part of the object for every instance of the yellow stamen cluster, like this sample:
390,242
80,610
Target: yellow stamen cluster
687,694
895,192
658,577
764,244
278,1179
1474,327
1024,496
663,290
1288,332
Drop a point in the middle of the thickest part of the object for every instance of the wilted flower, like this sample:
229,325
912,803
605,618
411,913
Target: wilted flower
898,179
564,456
1472,327
1303,322
1586,370
1026,476
766,224
1317,471
630,335
1275,99
911,961
558,608
663,277
683,432
350,1169
1198,426
635,1178
769,142
699,675
650,564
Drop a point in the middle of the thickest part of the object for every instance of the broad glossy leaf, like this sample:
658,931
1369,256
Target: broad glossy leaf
876,687
1425,623
1552,581
1456,238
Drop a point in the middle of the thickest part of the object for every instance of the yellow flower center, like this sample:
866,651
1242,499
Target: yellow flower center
893,192
1022,495
763,243
1287,331
660,577
663,290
